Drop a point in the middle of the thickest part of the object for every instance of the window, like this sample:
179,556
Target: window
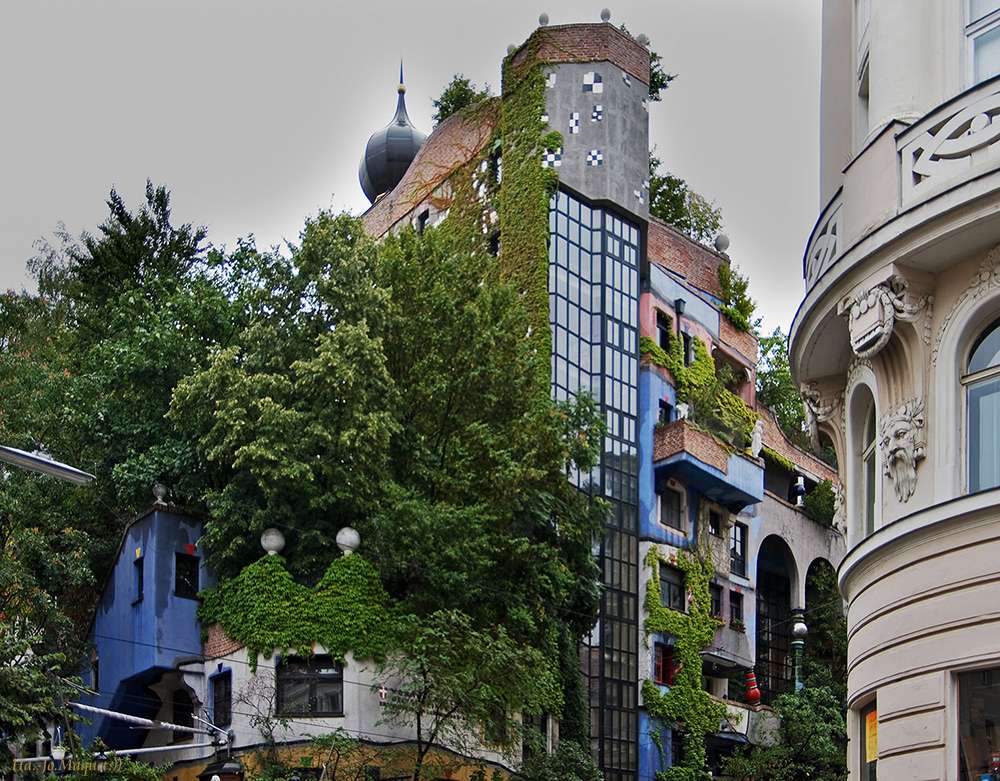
688,344
186,575
672,588
313,685
979,724
983,35
982,381
715,523
664,418
664,328
670,509
868,741
715,598
870,473
735,606
137,581
663,664
222,699
738,550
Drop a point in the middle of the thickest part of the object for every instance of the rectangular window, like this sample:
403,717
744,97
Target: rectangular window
137,581
715,596
222,700
735,606
868,741
664,418
983,35
979,724
186,575
313,685
672,588
670,509
663,664
738,550
715,523
664,329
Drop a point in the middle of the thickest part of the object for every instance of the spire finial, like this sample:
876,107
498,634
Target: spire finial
401,89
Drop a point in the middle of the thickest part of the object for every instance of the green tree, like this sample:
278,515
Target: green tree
674,202
569,762
776,389
449,675
811,742
458,95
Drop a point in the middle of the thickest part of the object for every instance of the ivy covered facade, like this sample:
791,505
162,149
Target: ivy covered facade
705,550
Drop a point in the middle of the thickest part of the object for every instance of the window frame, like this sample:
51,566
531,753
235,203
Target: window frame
976,29
138,579
664,664
673,588
222,698
972,381
287,673
661,517
738,534
187,587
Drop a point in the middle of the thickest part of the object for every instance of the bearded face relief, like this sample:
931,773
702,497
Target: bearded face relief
901,441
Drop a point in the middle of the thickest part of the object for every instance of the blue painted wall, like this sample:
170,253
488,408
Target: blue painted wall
137,640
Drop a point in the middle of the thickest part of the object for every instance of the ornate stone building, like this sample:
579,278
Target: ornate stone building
896,349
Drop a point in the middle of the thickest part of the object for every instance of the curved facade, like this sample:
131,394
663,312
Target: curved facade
894,349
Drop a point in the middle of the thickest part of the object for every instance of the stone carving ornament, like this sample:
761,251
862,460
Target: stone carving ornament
983,283
873,313
817,411
901,439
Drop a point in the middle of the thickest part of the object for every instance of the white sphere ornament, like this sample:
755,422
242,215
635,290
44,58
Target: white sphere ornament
543,19
272,540
722,242
605,15
348,540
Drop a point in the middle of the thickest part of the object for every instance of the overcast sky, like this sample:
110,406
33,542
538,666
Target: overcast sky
255,114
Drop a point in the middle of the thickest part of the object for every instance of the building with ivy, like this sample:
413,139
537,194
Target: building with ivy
552,177
896,349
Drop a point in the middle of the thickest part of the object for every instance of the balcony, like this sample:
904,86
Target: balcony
729,652
710,467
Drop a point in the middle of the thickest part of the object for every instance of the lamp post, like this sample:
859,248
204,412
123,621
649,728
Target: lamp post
799,633
101,759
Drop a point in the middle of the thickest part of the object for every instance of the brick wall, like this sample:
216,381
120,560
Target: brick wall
679,436
218,643
775,439
743,342
589,43
671,249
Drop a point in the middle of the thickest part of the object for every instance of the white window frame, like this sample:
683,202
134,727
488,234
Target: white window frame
974,29
674,488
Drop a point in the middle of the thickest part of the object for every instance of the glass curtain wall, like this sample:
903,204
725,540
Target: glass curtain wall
594,314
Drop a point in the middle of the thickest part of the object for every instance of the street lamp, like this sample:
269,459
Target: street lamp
799,632
101,759
40,462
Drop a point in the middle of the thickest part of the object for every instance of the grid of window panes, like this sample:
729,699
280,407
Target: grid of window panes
773,670
593,313
983,31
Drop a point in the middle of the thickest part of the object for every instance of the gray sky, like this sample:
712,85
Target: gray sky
254,114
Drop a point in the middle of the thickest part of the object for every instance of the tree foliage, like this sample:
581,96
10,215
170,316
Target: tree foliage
775,386
673,201
459,94
810,744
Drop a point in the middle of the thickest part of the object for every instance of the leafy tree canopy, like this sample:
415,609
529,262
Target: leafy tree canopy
674,202
458,95
775,386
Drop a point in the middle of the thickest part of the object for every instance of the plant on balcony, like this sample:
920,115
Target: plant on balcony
736,302
703,386
737,625
821,503
685,704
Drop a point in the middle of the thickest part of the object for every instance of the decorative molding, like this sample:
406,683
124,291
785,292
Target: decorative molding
901,439
873,313
951,146
818,411
983,282
824,245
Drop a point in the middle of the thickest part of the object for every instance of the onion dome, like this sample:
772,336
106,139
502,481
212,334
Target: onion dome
390,151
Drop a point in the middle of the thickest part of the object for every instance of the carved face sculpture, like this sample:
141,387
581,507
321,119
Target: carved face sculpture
901,449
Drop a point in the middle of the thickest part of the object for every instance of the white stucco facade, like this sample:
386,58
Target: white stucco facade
902,280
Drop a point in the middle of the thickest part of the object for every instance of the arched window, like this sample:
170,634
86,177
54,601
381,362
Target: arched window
982,386
870,472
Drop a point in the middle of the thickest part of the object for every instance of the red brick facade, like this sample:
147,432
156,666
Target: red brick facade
775,439
681,436
218,643
588,43
676,252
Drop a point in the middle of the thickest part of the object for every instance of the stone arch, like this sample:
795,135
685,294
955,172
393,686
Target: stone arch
777,580
863,487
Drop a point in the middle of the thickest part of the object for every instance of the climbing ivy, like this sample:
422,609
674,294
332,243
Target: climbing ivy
736,302
265,609
774,457
526,189
699,384
685,704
